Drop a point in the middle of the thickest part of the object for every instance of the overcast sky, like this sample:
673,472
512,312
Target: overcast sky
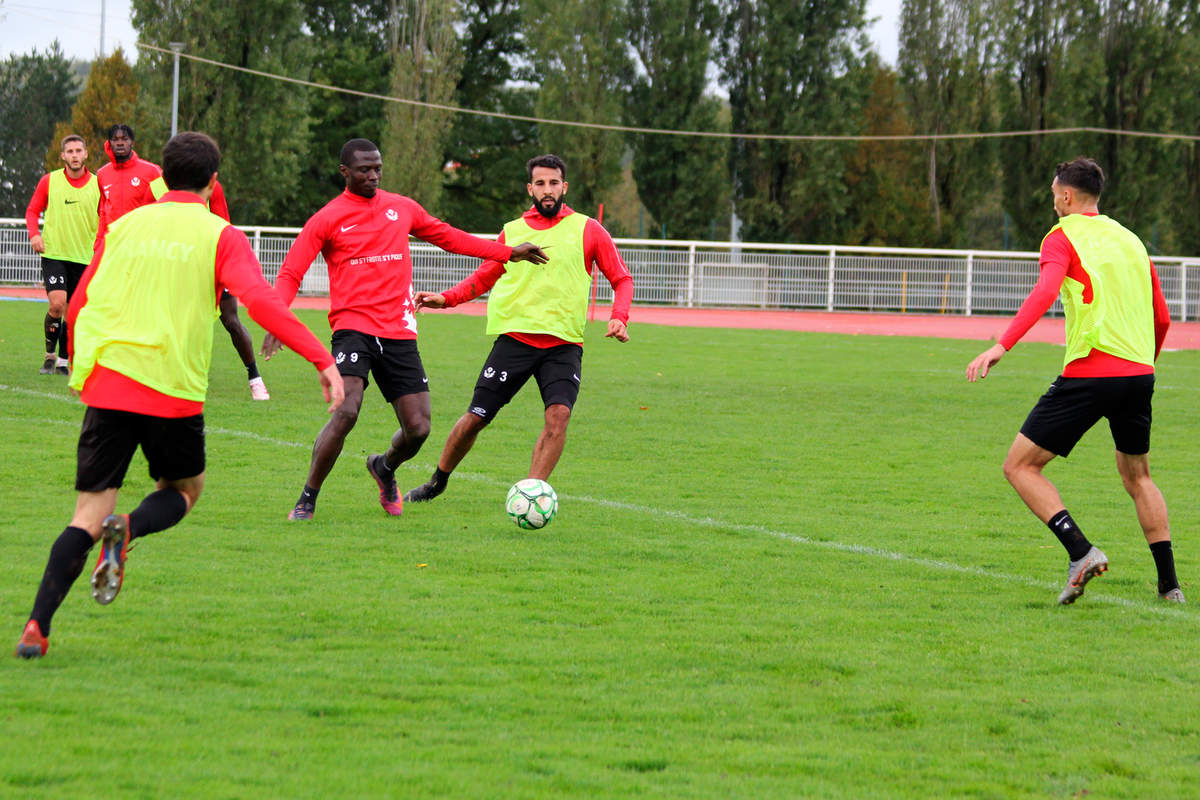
26,24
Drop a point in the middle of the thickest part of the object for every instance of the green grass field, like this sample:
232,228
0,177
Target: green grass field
784,565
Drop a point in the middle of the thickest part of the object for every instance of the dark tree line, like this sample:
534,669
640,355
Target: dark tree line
750,67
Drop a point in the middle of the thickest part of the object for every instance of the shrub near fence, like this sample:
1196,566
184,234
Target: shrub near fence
733,274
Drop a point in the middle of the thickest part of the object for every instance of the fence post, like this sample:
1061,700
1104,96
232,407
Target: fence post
970,282
832,273
691,283
1183,271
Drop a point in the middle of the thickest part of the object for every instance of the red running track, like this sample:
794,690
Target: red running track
1181,336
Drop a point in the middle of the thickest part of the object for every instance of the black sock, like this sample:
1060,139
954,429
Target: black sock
309,495
440,478
50,329
68,554
158,511
62,340
1164,561
1069,534
252,370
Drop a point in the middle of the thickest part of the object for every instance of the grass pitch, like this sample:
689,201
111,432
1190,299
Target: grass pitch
784,565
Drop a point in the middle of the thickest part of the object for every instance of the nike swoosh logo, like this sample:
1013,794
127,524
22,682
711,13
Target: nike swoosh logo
69,202
348,227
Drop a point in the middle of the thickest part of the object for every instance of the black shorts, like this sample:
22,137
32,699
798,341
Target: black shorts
511,363
173,447
61,276
395,363
1071,406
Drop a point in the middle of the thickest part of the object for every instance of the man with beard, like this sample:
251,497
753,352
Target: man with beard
363,235
70,198
538,313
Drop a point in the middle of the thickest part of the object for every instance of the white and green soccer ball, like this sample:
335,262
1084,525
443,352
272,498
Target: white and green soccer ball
531,503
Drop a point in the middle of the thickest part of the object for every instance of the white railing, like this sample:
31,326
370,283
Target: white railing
731,274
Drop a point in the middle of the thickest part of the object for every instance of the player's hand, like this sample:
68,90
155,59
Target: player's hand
429,300
528,251
979,366
332,387
37,243
617,330
270,346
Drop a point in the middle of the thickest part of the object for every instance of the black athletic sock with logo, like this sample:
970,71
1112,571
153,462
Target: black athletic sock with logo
252,370
62,340
68,554
440,478
1069,534
1164,562
158,511
50,329
309,496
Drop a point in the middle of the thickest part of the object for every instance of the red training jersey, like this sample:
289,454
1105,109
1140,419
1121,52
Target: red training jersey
41,198
124,185
1058,260
365,244
598,250
236,270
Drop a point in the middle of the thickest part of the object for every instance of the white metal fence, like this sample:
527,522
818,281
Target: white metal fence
715,274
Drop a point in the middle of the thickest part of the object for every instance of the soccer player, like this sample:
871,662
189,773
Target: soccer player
537,314
142,343
363,235
128,182
1116,321
70,198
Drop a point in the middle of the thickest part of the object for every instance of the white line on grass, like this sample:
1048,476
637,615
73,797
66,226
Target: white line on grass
706,522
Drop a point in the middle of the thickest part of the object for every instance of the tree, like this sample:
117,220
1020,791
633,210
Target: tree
792,68
946,61
578,49
109,96
681,180
425,65
349,49
35,93
1037,93
888,204
260,123
484,183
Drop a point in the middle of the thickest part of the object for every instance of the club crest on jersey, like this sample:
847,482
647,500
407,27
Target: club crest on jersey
135,181
392,215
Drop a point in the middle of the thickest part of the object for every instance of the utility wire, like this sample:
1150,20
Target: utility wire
784,137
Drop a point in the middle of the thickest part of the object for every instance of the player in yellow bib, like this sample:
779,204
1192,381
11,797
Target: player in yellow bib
1116,322
70,200
537,312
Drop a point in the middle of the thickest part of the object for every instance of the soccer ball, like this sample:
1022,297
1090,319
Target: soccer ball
531,503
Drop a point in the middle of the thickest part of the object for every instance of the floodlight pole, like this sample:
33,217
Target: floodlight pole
176,47
102,15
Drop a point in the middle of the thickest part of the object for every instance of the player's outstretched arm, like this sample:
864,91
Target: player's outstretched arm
527,251
270,346
429,300
617,330
332,387
979,366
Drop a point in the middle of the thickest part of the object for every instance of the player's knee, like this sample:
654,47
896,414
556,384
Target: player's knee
417,431
557,417
57,308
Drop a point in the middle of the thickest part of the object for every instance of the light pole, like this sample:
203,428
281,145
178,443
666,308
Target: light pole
176,47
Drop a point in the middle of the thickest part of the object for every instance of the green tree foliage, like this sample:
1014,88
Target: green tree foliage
35,93
260,124
425,66
484,184
682,181
349,49
109,96
946,59
578,49
792,68
884,178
